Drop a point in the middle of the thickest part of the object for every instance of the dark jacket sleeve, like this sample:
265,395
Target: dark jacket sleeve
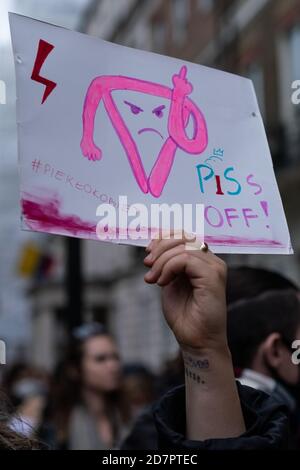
267,423
143,434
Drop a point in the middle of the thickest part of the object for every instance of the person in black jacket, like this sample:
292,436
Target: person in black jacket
211,411
261,335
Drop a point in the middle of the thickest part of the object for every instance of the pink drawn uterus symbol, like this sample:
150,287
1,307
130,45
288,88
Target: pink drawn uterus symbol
181,109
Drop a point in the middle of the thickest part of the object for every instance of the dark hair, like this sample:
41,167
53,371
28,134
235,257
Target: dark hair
88,330
139,380
9,439
245,282
251,321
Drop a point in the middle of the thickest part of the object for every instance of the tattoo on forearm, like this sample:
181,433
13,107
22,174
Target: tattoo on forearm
194,376
193,366
195,363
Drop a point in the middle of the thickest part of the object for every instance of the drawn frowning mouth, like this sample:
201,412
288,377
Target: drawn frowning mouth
149,129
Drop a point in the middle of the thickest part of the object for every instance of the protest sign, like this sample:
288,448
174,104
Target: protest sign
101,124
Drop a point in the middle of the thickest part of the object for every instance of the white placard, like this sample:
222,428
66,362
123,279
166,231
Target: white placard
97,121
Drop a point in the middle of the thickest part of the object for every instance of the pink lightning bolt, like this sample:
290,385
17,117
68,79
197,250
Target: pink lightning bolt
44,50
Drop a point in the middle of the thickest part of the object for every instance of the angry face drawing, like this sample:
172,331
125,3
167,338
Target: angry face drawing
168,118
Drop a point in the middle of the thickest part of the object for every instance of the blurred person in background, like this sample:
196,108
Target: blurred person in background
143,433
261,332
89,408
27,388
139,387
10,437
172,374
243,282
246,282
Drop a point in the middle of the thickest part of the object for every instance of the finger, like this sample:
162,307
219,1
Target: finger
207,255
163,245
182,263
175,235
155,272
158,265
160,247
194,267
158,235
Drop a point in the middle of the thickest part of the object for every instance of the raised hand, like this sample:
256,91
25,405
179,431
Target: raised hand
193,292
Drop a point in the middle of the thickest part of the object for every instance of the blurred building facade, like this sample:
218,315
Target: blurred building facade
259,39
15,310
114,293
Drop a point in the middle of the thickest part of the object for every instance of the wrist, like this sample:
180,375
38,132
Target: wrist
206,359
219,347
209,368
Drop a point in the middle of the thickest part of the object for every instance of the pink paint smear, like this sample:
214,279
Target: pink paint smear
43,214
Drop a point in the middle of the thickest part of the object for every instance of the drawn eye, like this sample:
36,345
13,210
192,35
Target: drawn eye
159,111
134,108
158,114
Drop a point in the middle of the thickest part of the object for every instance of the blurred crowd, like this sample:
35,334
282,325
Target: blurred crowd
94,401
91,399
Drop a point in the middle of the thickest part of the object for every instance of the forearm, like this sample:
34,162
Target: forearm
213,408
